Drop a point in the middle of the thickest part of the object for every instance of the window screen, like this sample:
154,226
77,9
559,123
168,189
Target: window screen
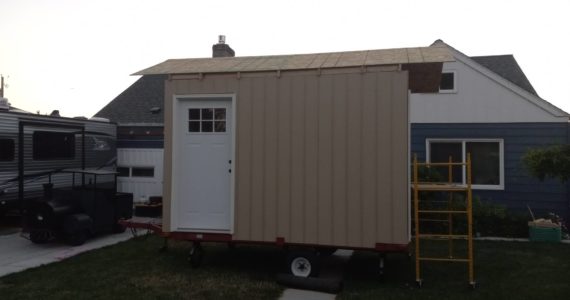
485,164
7,149
53,145
442,152
142,172
447,81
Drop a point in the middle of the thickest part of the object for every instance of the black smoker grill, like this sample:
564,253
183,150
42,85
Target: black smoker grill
92,205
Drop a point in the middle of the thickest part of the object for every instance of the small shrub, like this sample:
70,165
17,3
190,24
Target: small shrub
550,162
489,219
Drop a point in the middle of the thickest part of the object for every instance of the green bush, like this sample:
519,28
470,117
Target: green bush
489,219
550,162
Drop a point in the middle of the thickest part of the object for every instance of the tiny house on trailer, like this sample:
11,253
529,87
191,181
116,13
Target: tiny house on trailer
309,150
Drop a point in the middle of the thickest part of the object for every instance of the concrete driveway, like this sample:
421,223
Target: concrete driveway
18,254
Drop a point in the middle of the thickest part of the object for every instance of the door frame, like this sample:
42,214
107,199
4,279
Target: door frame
177,102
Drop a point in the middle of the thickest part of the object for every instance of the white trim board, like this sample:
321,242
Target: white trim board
174,224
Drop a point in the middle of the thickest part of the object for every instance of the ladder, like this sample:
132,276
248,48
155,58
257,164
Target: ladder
451,210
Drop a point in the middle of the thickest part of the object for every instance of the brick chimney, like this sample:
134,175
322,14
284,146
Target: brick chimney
221,49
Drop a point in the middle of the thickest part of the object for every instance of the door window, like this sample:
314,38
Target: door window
207,120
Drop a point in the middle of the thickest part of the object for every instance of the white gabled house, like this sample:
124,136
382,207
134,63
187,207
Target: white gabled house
487,107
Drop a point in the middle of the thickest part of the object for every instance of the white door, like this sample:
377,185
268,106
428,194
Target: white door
202,164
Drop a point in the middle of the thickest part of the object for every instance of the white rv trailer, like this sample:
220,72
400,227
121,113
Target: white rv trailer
33,148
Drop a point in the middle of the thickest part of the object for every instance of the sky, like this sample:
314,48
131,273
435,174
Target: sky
77,55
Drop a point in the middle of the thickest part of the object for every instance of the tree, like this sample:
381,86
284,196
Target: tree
551,162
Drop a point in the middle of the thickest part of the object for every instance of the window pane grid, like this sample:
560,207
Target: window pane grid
207,120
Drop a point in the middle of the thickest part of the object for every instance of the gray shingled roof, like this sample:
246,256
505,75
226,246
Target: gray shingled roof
134,104
507,67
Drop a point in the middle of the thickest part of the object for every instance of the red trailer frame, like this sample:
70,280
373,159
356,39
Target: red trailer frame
308,252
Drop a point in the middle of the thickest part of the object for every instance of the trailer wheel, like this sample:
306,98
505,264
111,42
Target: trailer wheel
118,228
303,263
196,255
39,236
77,238
381,264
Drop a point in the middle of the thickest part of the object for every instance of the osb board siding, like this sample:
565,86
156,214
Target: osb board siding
319,159
333,60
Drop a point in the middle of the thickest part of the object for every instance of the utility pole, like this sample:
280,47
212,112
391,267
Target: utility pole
2,86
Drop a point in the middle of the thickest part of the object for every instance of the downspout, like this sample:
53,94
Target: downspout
568,182
82,156
21,166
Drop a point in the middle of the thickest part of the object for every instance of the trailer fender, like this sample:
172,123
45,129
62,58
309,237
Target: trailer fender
77,223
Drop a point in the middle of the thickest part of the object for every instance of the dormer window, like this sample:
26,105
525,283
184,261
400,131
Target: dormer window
448,82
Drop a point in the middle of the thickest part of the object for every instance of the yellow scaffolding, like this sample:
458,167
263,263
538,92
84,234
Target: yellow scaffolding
450,187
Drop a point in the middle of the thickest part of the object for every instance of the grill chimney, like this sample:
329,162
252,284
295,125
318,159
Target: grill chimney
221,49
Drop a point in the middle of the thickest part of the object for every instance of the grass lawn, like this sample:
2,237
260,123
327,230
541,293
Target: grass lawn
135,270
503,270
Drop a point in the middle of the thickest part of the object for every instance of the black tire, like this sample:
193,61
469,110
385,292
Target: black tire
196,255
231,246
76,238
381,265
39,236
303,263
118,228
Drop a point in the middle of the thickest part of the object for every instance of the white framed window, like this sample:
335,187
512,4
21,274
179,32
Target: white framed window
135,171
448,83
487,160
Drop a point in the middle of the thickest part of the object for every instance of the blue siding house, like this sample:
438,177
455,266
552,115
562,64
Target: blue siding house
488,108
